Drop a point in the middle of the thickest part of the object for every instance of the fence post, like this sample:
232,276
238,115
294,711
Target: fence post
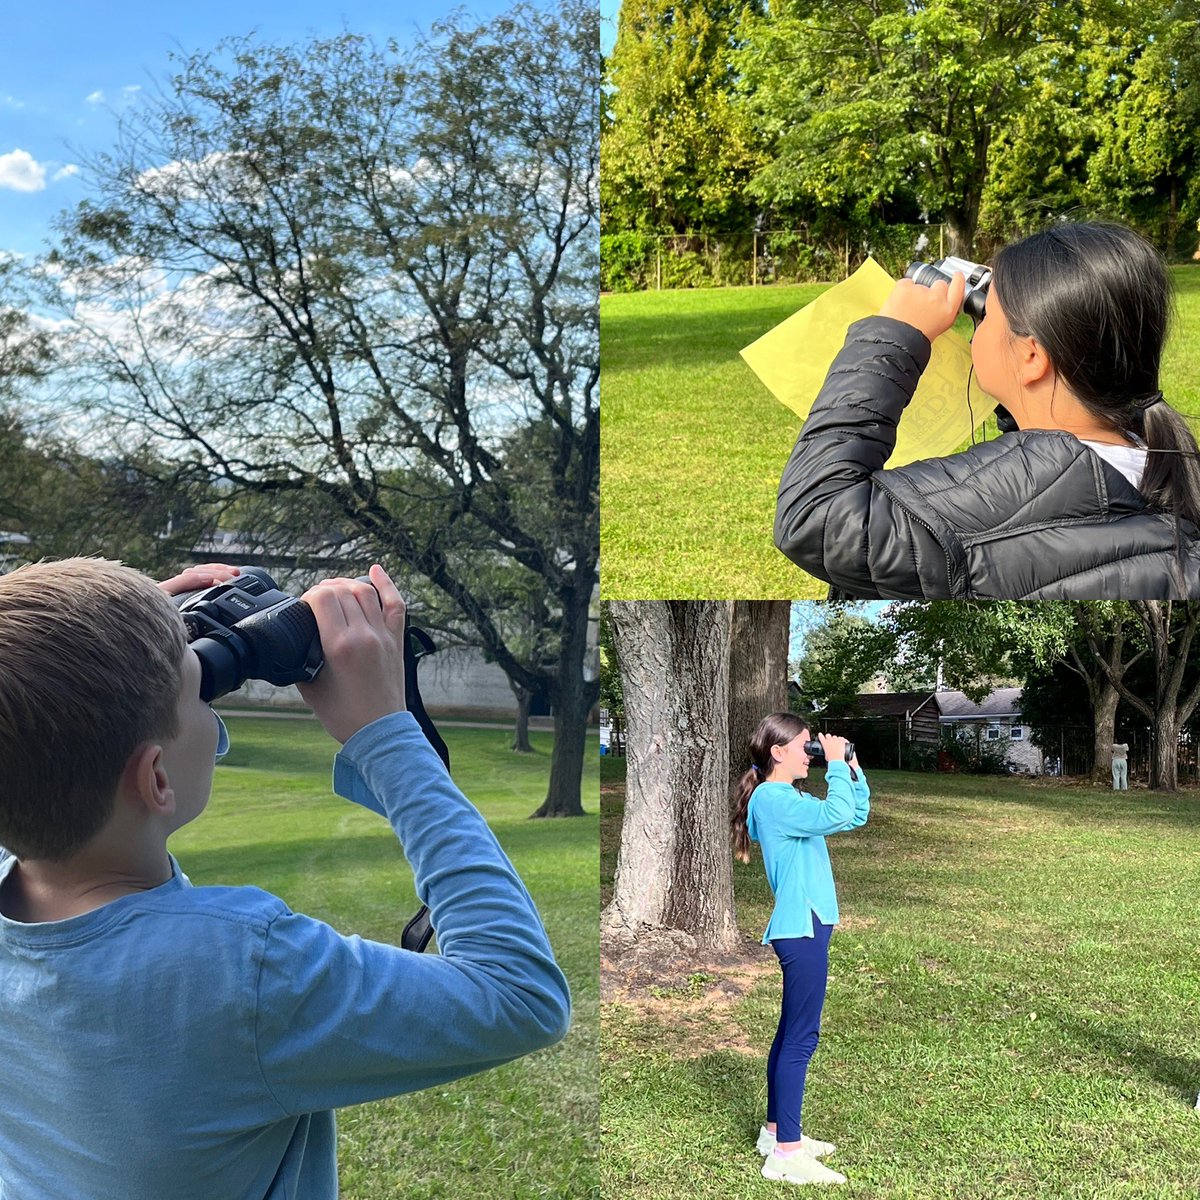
941,241
847,247
754,262
658,264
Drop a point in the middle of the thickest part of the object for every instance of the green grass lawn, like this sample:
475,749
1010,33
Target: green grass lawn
1013,1008
527,1129
693,445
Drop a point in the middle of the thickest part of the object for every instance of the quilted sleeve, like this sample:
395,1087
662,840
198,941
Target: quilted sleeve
832,518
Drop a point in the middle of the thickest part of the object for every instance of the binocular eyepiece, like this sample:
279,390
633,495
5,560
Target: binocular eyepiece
978,277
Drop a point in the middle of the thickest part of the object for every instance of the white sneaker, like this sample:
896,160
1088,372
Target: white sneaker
818,1149
799,1168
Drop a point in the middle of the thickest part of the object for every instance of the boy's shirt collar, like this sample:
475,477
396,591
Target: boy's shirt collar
86,925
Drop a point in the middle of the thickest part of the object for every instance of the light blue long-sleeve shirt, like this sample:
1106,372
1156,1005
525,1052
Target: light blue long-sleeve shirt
791,827
192,1042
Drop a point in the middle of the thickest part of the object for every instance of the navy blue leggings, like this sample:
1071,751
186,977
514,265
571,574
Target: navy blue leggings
805,963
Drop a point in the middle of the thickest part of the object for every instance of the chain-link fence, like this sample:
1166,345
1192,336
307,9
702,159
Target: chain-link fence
982,747
635,261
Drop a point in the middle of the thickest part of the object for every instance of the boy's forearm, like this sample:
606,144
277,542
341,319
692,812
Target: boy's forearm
479,907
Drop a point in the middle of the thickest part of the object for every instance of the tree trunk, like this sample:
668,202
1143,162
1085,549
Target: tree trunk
520,742
757,671
572,697
1165,764
674,868
1104,730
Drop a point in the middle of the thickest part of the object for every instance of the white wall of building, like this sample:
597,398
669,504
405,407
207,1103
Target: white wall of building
454,682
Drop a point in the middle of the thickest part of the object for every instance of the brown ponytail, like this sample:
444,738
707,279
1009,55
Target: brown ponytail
741,806
775,730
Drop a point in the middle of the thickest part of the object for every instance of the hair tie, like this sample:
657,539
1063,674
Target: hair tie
1149,402
754,767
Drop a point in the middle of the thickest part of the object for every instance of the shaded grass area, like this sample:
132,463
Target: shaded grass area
1011,1010
693,445
527,1129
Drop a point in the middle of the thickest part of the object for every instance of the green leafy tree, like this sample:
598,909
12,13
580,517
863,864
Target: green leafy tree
367,277
677,150
842,651
1147,138
865,101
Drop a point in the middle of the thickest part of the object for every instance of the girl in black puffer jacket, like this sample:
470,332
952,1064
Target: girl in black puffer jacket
1096,496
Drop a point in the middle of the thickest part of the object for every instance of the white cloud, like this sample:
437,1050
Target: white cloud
11,102
65,172
97,97
21,172
130,90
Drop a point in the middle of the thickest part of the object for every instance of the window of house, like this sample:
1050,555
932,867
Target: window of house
1017,733
993,733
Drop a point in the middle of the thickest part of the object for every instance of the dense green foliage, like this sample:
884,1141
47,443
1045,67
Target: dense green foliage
843,117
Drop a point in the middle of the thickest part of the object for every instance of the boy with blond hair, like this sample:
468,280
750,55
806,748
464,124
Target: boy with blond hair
162,1040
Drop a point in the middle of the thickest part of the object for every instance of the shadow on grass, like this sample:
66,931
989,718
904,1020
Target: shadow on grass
1122,1046
252,861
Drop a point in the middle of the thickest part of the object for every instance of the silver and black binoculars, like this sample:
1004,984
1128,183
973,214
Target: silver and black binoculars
978,277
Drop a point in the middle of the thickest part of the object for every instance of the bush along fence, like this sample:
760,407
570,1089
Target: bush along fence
635,261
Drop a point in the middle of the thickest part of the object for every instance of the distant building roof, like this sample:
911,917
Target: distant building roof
897,704
1003,702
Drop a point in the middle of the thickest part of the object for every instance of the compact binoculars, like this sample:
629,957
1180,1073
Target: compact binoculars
814,749
978,277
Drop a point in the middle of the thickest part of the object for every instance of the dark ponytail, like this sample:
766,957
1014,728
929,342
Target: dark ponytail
1098,298
775,730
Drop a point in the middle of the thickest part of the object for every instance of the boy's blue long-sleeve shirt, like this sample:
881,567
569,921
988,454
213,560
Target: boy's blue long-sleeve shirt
192,1042
791,827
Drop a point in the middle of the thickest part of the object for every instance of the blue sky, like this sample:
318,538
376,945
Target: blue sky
608,23
67,70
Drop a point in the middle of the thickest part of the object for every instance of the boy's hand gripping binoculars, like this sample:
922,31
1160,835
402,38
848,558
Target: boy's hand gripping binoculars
247,628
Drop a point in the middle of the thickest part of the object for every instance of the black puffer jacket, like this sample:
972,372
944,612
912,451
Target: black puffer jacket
1034,515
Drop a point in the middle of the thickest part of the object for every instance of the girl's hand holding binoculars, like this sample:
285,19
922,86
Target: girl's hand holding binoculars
932,310
834,747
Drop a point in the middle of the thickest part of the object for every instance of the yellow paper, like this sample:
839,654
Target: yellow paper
793,359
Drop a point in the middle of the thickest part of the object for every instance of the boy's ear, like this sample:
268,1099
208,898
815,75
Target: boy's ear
145,778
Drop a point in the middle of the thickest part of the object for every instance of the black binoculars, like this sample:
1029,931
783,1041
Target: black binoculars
814,749
249,629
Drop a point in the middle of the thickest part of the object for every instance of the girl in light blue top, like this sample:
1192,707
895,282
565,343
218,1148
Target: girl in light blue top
791,827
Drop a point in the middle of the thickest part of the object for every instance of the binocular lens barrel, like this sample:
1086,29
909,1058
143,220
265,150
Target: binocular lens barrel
814,749
926,274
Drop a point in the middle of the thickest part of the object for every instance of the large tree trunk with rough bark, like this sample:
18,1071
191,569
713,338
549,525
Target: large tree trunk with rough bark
758,659
1164,766
1104,723
674,869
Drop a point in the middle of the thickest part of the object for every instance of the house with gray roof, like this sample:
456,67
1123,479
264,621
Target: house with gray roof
997,716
